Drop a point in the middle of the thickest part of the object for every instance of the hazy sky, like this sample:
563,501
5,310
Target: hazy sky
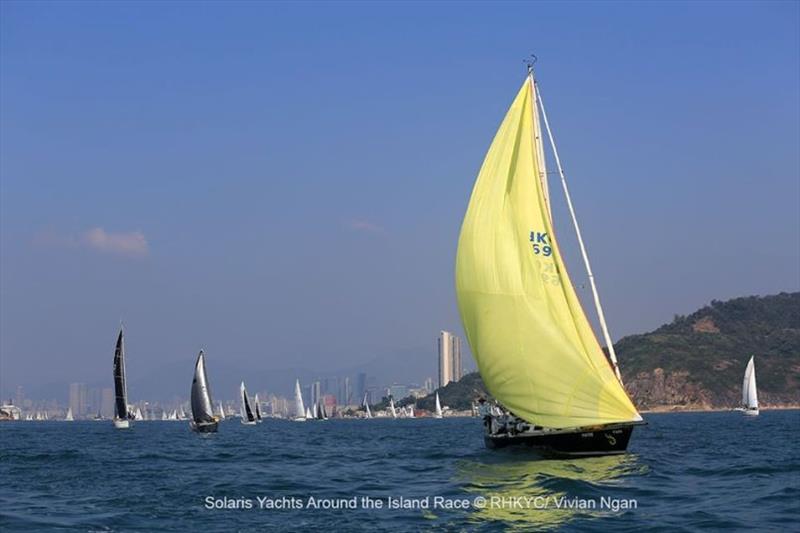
284,184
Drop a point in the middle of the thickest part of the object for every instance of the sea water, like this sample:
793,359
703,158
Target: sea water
690,471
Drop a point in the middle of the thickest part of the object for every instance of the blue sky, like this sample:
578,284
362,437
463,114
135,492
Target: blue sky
283,184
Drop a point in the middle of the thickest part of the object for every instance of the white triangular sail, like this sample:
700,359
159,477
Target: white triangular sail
391,408
299,408
438,413
749,393
69,417
366,406
221,412
308,414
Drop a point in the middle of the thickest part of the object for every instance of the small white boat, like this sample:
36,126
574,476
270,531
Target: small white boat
221,412
69,417
438,413
749,393
392,410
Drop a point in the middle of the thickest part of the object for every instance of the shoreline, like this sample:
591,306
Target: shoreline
703,409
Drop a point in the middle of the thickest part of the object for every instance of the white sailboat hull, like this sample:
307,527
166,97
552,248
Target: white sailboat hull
750,412
122,424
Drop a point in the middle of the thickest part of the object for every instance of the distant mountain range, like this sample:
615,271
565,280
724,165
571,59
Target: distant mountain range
697,361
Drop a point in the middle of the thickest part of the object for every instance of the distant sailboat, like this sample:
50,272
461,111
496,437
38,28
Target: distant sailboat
69,417
535,347
321,413
258,408
203,419
411,411
309,416
366,407
391,408
138,414
221,412
314,411
245,411
121,415
749,394
438,413
182,413
299,408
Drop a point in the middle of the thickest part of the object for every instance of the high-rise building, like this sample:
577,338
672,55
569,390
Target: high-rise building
361,388
458,369
316,392
107,403
344,391
449,358
77,399
428,386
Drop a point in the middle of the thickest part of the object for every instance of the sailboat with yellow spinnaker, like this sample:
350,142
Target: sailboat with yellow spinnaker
535,348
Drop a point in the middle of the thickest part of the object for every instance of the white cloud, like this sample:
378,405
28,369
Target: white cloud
365,225
131,243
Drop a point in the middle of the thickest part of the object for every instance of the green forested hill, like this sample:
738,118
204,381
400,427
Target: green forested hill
698,361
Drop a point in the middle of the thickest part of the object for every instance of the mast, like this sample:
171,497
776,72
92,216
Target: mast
601,317
538,142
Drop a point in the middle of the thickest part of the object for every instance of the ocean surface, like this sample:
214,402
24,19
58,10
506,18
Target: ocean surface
685,471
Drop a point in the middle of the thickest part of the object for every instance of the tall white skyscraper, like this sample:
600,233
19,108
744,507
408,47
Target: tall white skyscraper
449,358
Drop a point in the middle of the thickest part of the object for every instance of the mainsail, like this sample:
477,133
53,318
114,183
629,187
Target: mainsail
366,407
438,413
392,408
258,407
69,417
534,346
299,409
246,412
202,410
749,394
221,412
120,387
321,412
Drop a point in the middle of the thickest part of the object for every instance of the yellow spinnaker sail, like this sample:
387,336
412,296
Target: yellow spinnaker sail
535,348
